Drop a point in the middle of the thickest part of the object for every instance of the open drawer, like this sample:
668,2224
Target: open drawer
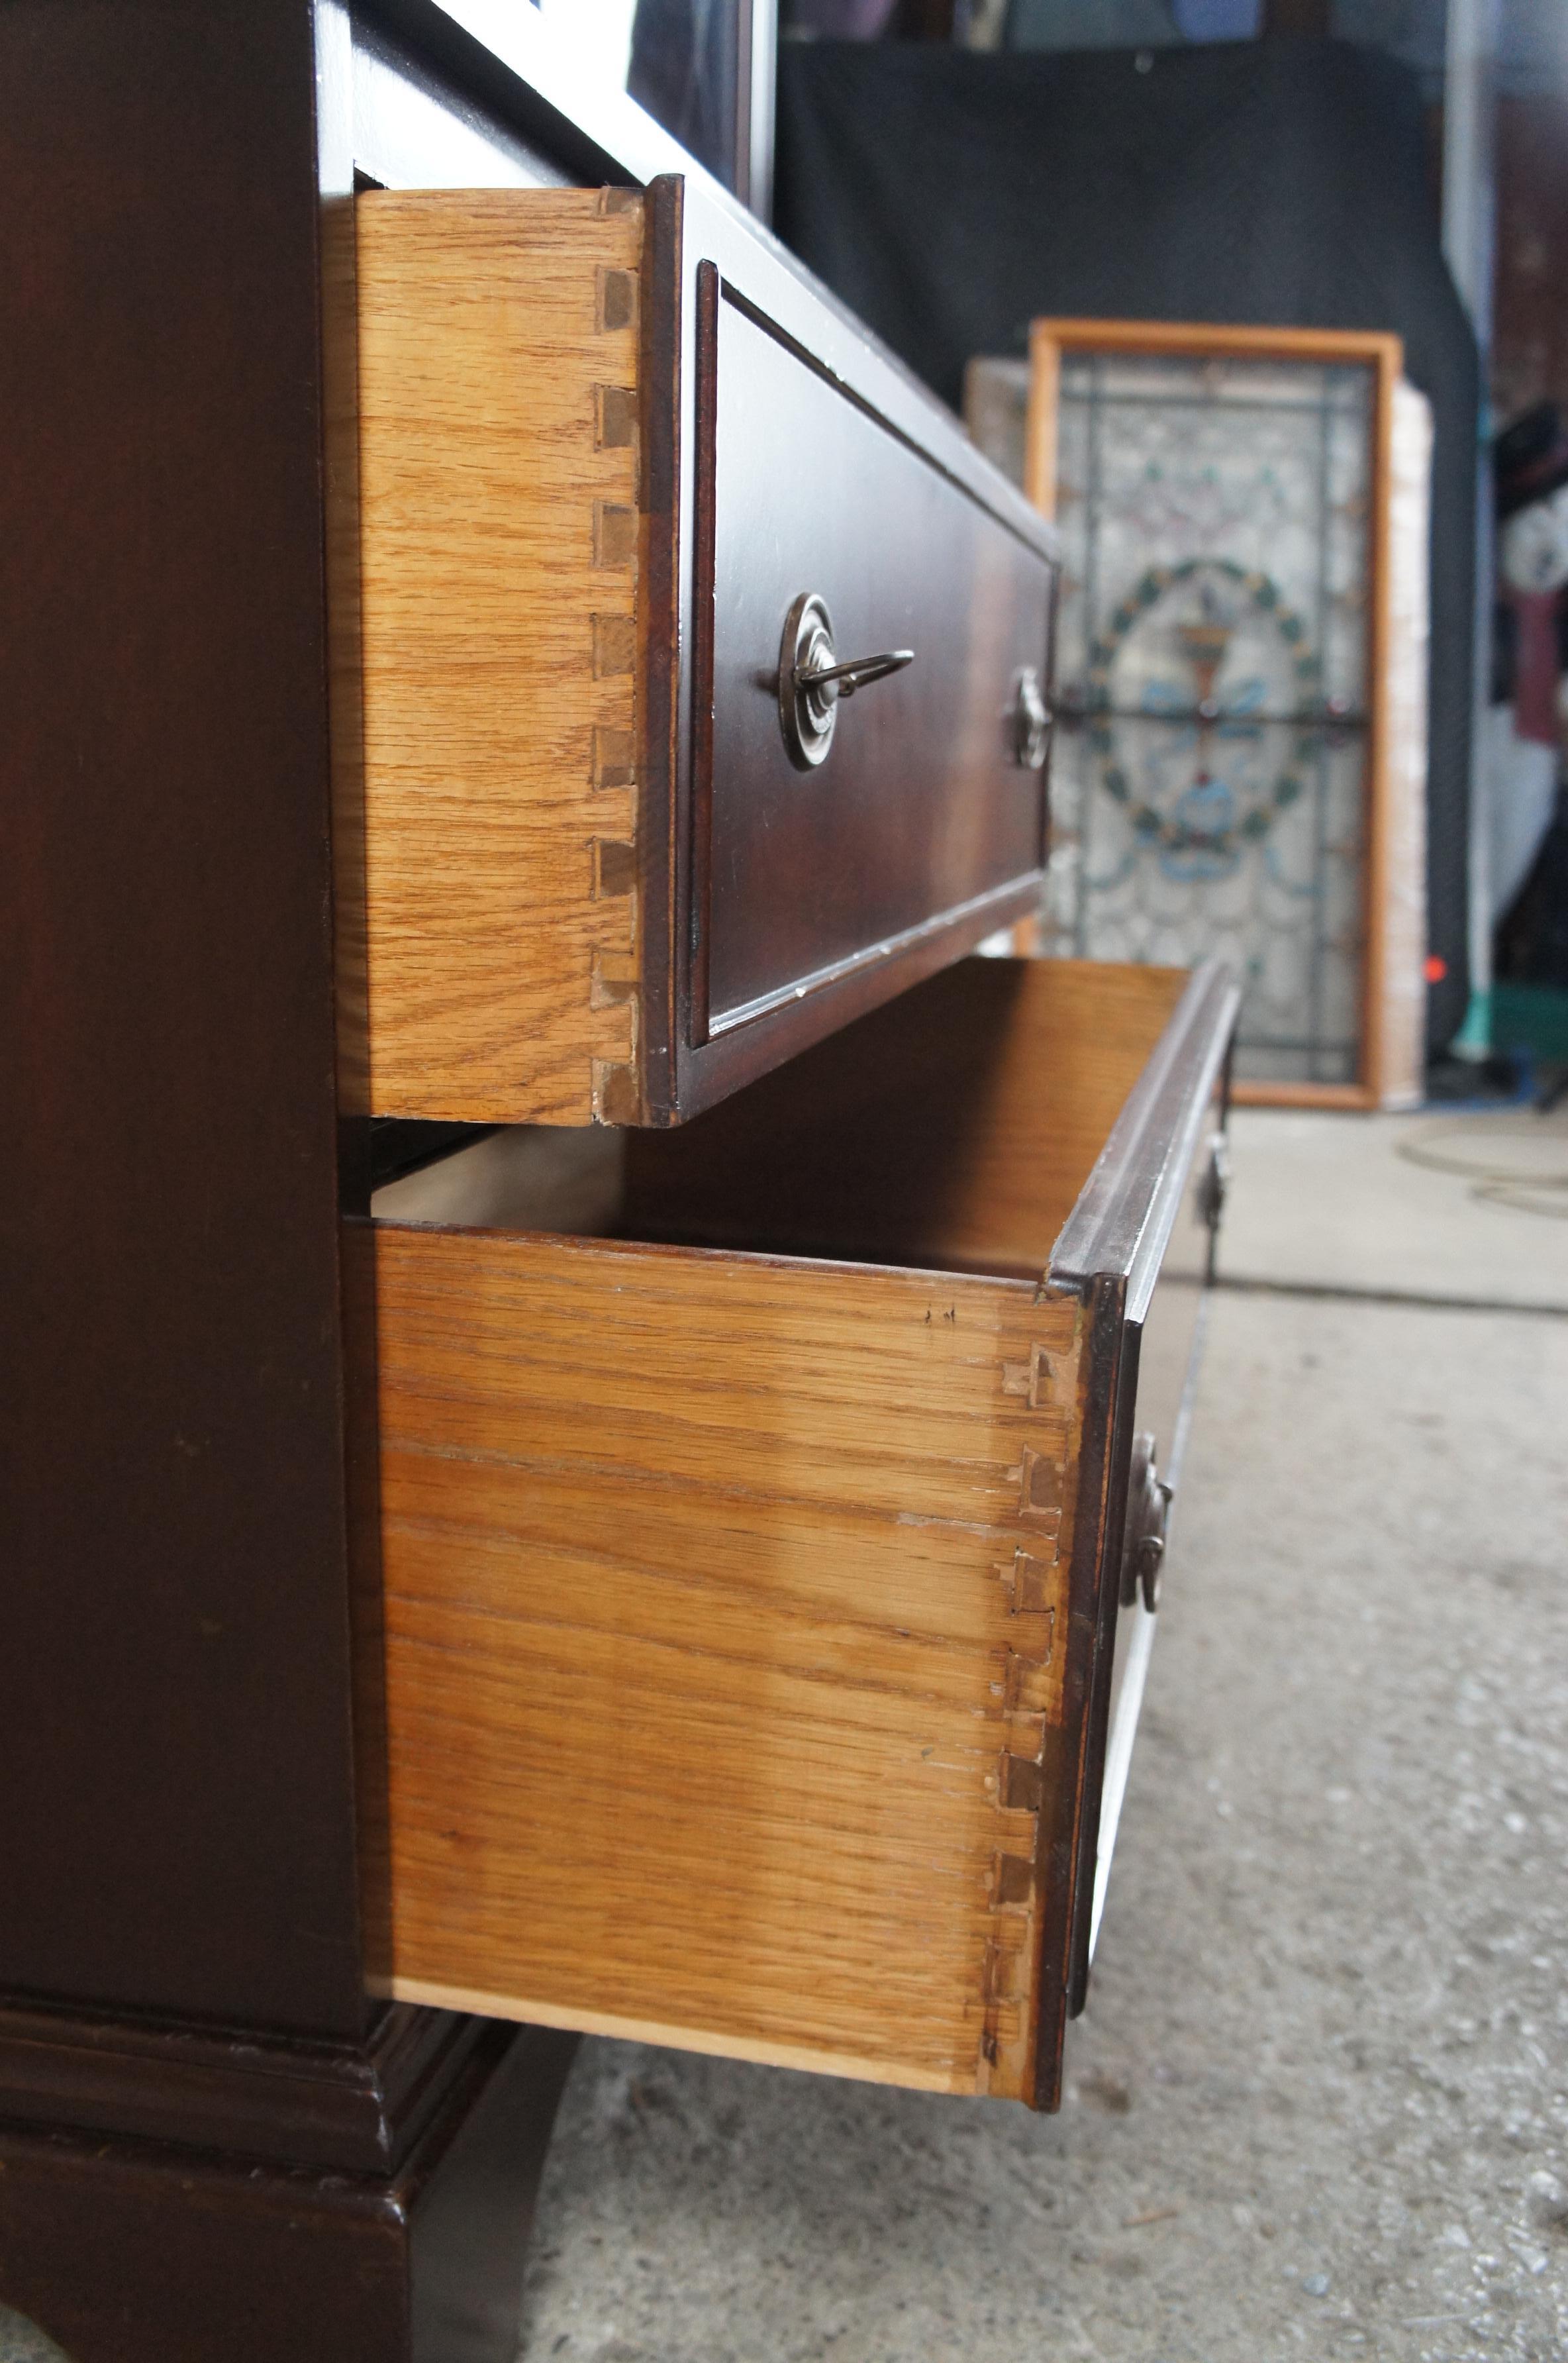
704,662
755,1511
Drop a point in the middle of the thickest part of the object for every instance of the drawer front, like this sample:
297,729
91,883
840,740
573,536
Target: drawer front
1156,1230
921,806
1169,1330
1167,1349
580,876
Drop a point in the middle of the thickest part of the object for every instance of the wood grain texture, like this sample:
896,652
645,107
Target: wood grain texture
724,1629
955,1129
1401,1006
1041,422
1386,362
956,1126
499,466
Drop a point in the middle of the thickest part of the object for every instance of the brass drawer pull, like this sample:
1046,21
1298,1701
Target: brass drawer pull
812,680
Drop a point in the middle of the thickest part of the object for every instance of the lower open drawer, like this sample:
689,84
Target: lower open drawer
753,1534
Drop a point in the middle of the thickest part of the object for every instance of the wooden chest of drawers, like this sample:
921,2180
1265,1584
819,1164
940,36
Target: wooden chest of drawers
210,2144
755,1533
628,487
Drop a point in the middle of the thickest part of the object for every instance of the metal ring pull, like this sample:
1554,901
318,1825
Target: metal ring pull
1031,720
1144,1537
856,673
812,680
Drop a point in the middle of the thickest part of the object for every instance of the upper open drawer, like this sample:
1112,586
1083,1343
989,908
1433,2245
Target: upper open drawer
631,494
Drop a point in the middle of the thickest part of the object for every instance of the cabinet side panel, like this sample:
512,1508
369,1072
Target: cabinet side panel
178,1829
499,506
723,1612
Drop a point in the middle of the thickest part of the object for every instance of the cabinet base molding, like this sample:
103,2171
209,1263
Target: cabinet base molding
354,2108
395,2232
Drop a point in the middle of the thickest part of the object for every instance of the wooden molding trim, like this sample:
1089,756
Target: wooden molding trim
149,2250
299,2104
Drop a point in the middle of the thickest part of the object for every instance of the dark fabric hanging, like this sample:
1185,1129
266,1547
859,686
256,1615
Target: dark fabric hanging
950,196
1532,933
685,56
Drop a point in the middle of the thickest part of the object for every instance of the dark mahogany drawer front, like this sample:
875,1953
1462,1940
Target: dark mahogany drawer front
1153,1218
923,803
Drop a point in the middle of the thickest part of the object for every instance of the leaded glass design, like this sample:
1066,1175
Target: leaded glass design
1210,777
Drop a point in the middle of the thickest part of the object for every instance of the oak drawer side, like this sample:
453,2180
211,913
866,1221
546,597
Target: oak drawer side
501,523
725,1622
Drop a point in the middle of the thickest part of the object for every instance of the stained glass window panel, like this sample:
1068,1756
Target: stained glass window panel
1210,777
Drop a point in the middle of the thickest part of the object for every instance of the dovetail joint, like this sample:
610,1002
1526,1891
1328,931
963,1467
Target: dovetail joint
614,536
615,418
616,1098
1012,1882
615,757
1040,1490
617,306
614,981
1020,1784
615,868
1027,1682
614,647
1029,1581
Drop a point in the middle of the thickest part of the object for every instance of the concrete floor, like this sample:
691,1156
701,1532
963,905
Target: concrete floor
1371,1202
1319,2104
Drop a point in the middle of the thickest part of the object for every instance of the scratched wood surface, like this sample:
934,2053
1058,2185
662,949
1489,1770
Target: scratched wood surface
500,525
725,1617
